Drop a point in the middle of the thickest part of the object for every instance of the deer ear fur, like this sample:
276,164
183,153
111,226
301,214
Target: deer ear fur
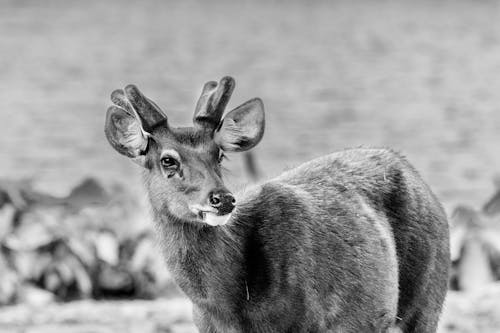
242,128
125,134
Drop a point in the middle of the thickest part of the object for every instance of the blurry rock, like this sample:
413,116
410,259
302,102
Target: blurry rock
13,192
6,218
9,286
83,248
34,296
30,265
462,219
107,247
115,282
65,275
475,269
37,228
475,246
88,192
9,282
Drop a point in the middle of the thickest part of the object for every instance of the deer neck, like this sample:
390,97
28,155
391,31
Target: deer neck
204,260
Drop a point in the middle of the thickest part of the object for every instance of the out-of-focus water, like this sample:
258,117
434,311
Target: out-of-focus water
422,77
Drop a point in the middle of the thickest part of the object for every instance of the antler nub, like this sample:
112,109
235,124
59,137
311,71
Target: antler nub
212,102
132,101
147,110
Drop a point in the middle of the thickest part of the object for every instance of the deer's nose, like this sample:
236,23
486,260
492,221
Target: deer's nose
222,200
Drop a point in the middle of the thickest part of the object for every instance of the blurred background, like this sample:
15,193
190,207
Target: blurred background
78,251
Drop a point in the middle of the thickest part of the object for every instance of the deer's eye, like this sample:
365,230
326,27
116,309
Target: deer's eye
169,163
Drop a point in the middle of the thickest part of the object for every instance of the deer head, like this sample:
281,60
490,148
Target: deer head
182,165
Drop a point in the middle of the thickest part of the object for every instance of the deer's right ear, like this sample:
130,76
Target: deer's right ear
125,134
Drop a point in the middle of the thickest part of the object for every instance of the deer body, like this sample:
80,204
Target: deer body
350,242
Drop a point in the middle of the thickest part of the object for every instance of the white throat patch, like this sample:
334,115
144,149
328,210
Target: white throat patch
209,215
215,220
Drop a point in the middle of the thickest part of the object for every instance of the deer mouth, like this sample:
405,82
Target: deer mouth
209,215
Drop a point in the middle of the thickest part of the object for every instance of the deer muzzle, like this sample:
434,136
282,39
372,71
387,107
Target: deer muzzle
218,209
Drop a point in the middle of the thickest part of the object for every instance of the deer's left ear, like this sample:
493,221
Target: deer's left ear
125,134
242,128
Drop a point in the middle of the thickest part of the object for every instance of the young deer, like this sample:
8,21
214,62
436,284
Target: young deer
350,242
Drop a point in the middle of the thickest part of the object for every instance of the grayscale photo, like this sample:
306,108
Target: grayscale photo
250,166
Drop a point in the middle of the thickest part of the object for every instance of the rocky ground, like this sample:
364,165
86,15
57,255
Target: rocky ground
159,316
464,313
472,312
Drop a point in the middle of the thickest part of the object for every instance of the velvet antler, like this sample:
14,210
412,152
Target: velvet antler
136,104
212,102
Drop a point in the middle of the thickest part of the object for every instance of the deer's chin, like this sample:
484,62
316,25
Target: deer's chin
214,219
209,215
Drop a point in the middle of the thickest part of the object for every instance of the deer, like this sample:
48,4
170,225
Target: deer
354,241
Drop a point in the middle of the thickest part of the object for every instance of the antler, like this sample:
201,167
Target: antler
212,102
136,104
